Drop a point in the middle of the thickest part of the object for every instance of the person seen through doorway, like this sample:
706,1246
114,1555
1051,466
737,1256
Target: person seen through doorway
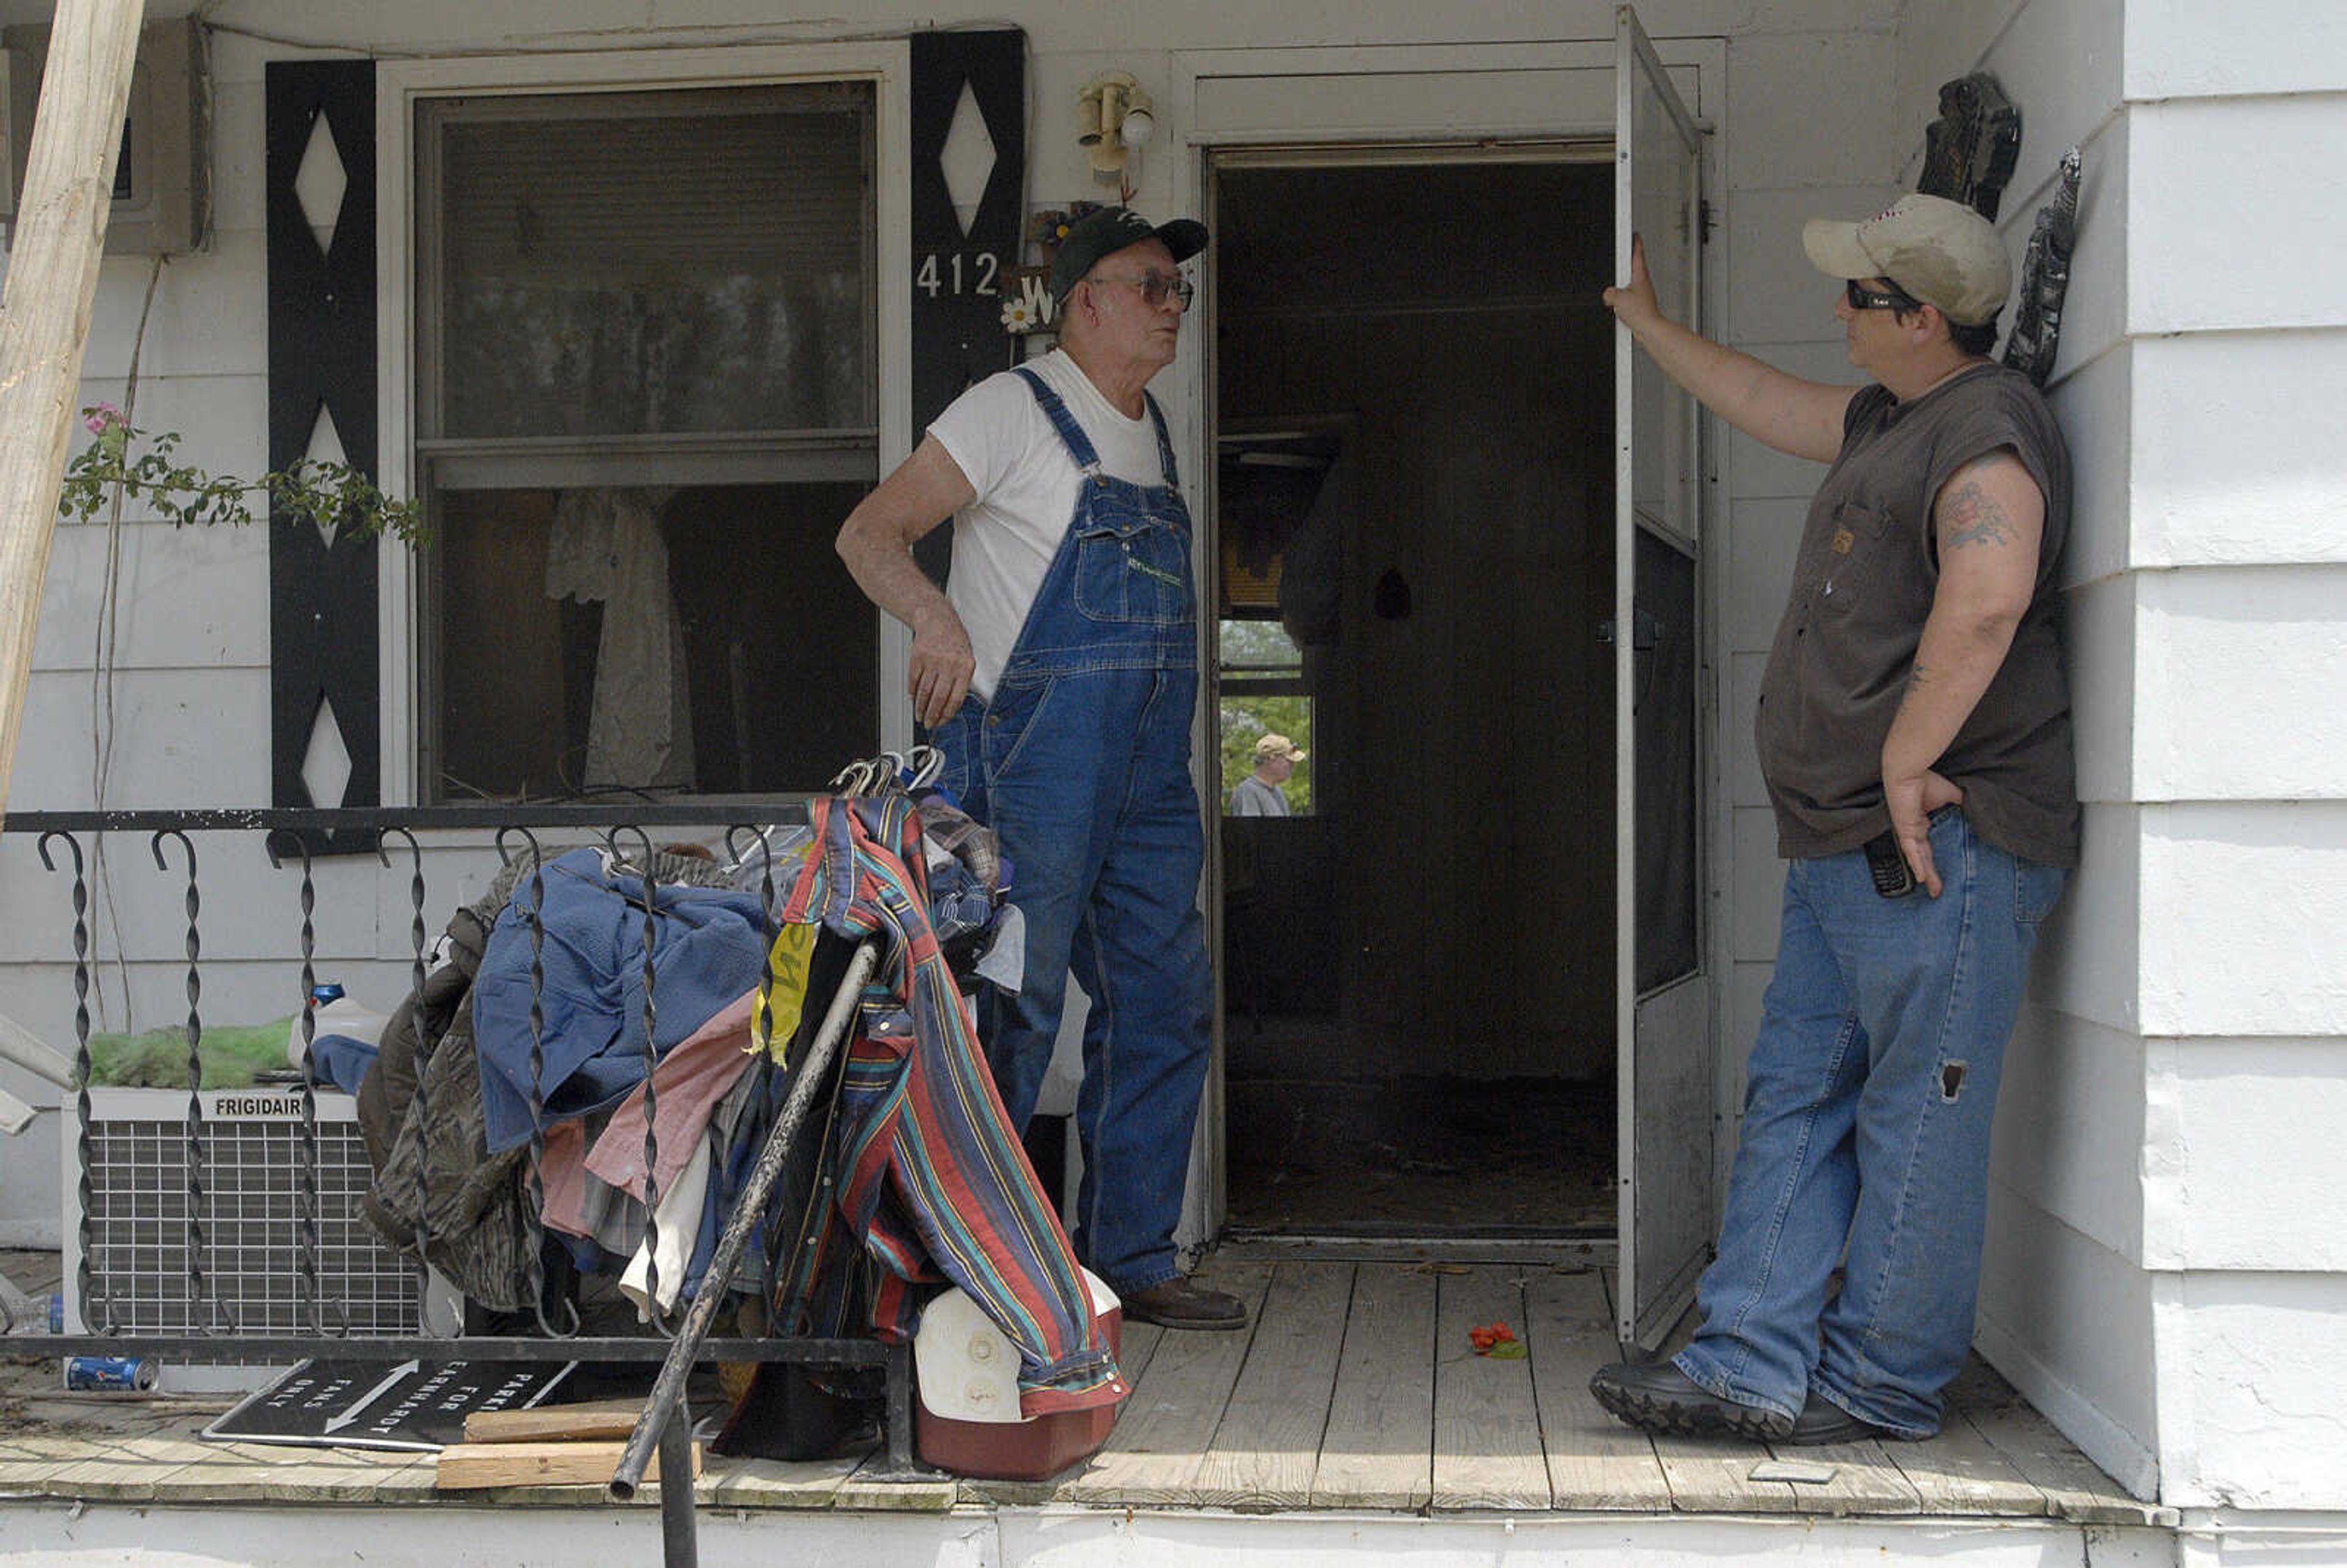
1259,794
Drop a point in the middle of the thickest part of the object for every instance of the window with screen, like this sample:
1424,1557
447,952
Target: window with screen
646,390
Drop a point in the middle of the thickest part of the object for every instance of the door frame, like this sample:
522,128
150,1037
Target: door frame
1398,104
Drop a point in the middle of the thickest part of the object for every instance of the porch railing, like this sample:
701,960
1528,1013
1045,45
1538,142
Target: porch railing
294,841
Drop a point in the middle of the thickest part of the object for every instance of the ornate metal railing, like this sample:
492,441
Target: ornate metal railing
294,842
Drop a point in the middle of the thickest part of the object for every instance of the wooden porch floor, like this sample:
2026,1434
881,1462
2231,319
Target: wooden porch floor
1357,1389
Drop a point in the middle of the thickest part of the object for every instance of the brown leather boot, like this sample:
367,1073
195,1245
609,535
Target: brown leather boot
1181,1303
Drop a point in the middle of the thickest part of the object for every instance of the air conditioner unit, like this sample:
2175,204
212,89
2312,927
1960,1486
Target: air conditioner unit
137,1245
162,180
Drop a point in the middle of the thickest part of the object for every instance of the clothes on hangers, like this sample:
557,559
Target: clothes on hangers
708,947
930,1179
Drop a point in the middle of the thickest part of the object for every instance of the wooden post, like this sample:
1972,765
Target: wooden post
45,316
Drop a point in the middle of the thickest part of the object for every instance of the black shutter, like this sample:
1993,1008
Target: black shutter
323,599
958,336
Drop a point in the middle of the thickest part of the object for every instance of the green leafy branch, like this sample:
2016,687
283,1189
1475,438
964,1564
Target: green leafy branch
128,462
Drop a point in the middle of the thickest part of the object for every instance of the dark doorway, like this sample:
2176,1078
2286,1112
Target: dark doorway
1414,491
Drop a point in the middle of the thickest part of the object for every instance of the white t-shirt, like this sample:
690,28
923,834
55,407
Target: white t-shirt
1005,445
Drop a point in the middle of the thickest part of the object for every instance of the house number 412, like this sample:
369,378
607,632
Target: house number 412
973,274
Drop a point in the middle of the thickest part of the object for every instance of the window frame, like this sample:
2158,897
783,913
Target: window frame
407,460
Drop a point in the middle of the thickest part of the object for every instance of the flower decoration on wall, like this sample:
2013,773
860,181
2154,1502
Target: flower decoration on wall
1046,229
1028,308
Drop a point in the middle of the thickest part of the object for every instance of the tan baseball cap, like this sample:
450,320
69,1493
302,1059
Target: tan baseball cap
1940,252
1280,746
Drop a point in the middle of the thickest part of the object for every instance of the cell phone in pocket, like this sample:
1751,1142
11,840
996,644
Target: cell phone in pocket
1887,864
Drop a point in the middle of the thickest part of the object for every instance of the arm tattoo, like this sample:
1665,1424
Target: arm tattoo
1918,677
1969,516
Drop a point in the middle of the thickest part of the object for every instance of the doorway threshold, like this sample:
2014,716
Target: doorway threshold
1369,1244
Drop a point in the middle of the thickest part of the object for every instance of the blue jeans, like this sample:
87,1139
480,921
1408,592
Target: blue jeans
1085,777
1871,1091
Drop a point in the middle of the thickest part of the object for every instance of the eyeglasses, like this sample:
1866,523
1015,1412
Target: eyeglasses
1156,286
1865,299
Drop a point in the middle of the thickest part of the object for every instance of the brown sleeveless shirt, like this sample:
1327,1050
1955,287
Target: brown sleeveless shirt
1863,587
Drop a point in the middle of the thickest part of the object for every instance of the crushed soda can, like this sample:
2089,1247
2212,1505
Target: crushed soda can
111,1373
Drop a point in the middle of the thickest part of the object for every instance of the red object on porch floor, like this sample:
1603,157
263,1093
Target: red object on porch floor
965,1374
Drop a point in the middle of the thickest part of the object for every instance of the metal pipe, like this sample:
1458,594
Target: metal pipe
668,1389
35,1055
678,1548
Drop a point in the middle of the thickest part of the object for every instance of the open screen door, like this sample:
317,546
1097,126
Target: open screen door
1664,996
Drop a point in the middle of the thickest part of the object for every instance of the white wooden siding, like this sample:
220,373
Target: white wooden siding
2188,48
2241,678
2070,1125
2232,207
2243,1152
2237,448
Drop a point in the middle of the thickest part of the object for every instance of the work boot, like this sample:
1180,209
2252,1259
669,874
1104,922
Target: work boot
1662,1398
1822,1422
1180,1302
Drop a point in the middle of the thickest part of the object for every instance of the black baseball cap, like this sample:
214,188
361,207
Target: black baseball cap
1110,230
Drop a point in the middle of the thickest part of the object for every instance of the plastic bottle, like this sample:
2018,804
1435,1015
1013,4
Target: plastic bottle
334,1010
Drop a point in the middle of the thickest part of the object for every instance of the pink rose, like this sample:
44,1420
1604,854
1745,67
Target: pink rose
100,417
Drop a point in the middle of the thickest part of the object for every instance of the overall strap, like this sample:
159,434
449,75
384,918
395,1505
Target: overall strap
1079,444
1164,444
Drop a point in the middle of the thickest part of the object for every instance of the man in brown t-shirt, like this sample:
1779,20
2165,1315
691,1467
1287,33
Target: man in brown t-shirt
1914,733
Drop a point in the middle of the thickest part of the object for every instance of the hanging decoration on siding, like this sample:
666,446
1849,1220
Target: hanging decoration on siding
2045,278
1970,151
1969,155
1028,307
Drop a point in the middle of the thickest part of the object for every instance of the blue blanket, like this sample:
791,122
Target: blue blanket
708,948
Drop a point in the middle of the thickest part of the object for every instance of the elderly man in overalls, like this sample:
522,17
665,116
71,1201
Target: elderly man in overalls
1059,676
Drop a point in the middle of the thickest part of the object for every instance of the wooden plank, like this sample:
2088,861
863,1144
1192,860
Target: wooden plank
1594,1462
1161,1439
1486,1442
120,1470
473,1466
873,1487
53,253
2073,1487
1379,1448
1961,1472
1135,1344
555,1423
1714,1475
348,1475
246,1472
1264,1451
776,1483
1864,1479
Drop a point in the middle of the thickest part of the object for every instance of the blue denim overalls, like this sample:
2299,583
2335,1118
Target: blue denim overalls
1081,764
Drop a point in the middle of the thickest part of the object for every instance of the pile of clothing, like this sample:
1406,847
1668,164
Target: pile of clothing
641,1025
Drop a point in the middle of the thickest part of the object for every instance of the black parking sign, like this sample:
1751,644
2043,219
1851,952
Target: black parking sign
418,1405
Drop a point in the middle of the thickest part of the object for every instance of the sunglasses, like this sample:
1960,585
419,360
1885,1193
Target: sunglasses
1156,286
1863,298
